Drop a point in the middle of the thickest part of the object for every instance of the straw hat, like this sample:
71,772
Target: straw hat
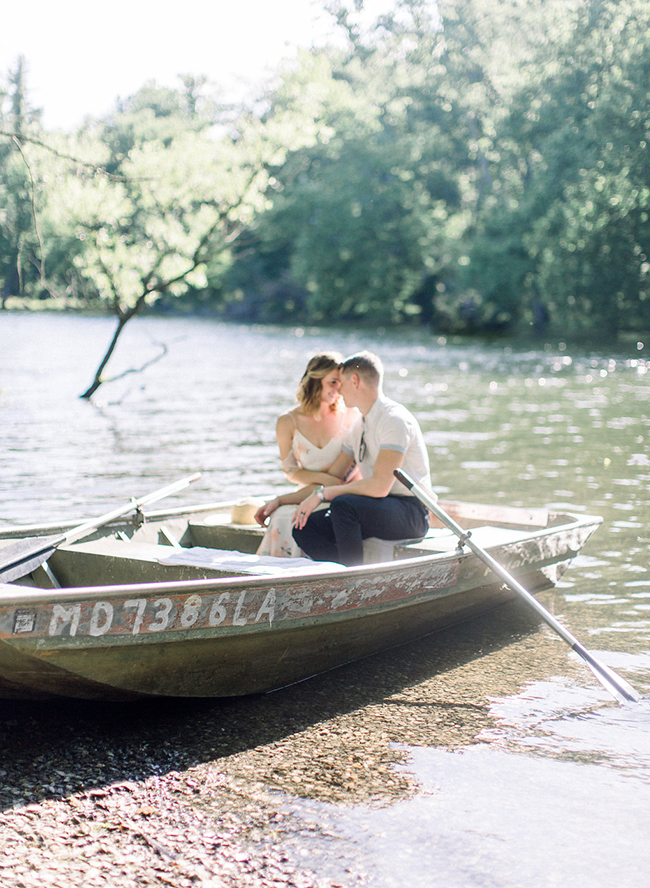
243,512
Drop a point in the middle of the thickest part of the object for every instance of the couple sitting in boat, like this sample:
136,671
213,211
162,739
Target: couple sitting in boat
341,443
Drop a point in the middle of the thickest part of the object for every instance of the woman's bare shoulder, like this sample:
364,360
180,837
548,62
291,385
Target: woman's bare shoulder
289,418
288,422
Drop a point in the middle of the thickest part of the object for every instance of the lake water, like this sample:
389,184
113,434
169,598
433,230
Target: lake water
550,783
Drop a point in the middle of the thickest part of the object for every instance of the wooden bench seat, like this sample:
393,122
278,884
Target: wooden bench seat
216,531
443,540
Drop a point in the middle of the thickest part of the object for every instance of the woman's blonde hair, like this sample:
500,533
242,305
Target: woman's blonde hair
311,384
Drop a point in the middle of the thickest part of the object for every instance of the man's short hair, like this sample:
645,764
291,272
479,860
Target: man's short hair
367,365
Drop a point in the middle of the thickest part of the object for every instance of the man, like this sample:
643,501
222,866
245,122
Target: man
387,437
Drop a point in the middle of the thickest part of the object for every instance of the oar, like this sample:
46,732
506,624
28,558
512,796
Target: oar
22,557
617,686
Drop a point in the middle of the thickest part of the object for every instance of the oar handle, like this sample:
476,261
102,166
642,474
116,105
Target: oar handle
181,484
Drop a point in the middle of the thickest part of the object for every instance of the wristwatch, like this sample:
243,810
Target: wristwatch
320,492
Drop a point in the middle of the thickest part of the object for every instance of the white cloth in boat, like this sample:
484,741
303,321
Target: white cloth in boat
241,562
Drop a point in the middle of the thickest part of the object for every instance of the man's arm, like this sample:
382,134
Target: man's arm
306,477
340,467
378,485
380,482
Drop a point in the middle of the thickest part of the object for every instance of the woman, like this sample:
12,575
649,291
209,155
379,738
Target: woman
310,437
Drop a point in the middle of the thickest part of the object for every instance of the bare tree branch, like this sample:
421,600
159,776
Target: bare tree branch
20,137
41,266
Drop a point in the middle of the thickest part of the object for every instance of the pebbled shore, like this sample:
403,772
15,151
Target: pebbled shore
207,793
182,829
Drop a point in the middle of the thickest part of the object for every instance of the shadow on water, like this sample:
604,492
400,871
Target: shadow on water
331,737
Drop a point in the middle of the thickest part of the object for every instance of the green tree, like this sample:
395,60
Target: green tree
595,231
20,253
153,218
374,210
379,221
569,229
160,114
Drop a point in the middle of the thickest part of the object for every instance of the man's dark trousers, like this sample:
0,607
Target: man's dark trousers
338,533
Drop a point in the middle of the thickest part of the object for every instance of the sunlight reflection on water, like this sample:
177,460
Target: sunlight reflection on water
485,817
561,722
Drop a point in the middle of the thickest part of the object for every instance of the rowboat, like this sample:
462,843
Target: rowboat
176,602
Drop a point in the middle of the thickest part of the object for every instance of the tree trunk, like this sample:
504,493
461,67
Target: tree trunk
123,317
122,321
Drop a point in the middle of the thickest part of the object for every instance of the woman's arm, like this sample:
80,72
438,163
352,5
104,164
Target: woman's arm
284,429
285,499
343,466
304,476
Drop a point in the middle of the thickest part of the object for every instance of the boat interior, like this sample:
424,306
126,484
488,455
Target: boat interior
206,542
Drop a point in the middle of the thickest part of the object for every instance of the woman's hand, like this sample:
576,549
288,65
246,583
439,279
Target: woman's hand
305,509
263,513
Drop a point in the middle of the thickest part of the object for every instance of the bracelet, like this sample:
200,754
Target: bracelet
320,492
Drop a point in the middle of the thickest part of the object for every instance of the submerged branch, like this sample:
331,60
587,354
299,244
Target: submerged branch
163,351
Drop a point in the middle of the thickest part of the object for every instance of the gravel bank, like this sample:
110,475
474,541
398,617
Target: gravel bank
200,793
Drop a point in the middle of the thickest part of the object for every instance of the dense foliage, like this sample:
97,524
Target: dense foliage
475,164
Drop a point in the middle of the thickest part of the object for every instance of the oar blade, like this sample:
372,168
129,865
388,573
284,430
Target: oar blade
23,556
610,680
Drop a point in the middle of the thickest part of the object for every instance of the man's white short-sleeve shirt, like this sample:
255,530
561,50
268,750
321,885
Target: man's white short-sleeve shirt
389,426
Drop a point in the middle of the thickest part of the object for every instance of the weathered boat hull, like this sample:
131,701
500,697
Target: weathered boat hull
221,635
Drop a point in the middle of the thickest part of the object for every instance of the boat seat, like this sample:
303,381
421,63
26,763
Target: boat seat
112,561
376,551
246,563
217,531
443,540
